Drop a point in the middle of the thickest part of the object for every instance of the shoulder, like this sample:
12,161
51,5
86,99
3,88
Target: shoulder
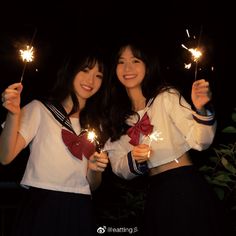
168,95
33,105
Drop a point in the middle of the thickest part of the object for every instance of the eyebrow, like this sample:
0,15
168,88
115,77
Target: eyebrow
124,57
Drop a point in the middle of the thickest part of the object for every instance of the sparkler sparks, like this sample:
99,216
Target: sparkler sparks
28,54
196,54
92,137
154,136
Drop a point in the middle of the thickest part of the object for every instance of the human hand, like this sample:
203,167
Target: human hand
201,94
11,98
141,152
98,161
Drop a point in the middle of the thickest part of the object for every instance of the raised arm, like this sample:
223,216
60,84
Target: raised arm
11,142
201,95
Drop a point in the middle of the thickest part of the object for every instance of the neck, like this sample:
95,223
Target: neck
68,104
137,99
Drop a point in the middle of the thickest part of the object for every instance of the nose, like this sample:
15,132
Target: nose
90,78
128,66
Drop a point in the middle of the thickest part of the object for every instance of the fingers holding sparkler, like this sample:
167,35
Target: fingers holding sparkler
98,161
141,152
11,98
201,94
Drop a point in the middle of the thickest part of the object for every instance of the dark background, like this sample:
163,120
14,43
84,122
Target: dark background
60,25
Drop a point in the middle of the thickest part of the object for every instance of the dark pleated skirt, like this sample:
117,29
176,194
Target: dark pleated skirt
181,202
54,213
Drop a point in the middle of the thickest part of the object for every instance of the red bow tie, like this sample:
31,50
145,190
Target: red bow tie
143,126
78,145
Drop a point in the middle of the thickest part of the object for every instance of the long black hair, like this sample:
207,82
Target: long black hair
92,115
120,107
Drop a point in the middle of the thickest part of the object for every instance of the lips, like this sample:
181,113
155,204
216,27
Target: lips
127,77
87,88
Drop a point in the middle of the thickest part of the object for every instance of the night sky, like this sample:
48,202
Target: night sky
164,23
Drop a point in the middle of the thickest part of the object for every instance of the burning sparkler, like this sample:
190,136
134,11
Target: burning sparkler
195,52
27,55
92,137
154,136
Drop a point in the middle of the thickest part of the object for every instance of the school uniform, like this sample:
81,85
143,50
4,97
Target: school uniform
58,194
179,201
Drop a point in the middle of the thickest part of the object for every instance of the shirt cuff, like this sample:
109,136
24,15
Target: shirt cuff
135,167
206,119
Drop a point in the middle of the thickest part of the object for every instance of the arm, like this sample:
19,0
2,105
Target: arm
197,129
201,95
96,165
127,161
11,142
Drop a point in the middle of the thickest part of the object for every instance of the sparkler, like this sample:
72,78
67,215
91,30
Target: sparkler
195,52
27,55
92,137
154,136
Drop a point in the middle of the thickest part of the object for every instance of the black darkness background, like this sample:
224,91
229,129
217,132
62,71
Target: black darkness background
61,24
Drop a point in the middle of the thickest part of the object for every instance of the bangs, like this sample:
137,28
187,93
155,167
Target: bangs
136,52
90,62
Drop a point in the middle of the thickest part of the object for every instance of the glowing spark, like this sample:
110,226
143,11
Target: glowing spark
187,33
28,54
187,66
155,135
91,136
196,53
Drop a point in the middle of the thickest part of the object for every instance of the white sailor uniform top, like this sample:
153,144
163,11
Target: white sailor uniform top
51,165
180,129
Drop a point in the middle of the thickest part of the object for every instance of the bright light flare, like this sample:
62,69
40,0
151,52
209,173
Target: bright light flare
91,136
196,53
187,66
28,54
155,136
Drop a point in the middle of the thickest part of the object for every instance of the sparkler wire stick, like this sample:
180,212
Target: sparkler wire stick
29,50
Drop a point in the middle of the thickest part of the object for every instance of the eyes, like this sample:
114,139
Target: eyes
98,74
133,61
